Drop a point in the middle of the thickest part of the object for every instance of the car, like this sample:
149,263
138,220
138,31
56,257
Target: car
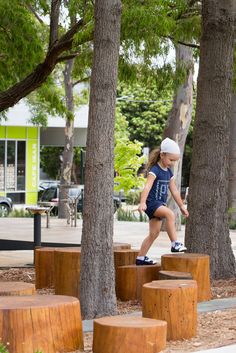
51,194
5,206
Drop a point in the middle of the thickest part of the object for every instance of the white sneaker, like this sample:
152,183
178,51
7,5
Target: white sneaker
178,247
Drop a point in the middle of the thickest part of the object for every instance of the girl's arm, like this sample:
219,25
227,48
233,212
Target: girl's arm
145,192
176,195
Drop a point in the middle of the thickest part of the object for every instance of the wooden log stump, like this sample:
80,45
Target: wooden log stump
16,288
44,267
123,257
46,323
67,271
128,334
174,301
130,279
197,264
174,275
120,246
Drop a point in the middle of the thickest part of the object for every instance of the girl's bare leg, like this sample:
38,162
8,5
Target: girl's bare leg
165,212
154,230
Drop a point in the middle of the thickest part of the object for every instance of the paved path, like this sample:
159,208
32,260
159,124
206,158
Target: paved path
59,231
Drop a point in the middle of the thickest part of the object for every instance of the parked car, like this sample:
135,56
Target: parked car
5,206
52,195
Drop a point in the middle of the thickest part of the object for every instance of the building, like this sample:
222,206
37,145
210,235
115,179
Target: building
20,143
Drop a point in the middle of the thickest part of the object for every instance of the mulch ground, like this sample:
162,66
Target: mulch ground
215,329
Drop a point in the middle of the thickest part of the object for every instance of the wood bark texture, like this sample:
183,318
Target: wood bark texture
196,264
97,263
207,227
44,267
232,163
180,117
128,335
67,162
45,323
67,271
130,280
16,288
175,302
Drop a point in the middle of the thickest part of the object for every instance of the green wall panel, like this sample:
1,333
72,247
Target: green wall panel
31,198
32,132
2,132
32,166
16,132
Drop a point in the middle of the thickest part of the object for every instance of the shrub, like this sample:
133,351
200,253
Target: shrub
130,216
133,197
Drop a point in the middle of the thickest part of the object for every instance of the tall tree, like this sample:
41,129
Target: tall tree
180,116
207,228
232,162
97,293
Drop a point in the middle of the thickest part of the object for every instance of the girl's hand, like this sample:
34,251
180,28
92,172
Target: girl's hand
142,207
184,211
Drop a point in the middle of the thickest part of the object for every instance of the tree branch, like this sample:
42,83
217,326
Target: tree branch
191,45
67,57
20,90
84,79
30,7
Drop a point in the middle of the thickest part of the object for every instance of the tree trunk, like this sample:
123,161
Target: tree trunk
97,263
179,119
232,163
67,160
207,228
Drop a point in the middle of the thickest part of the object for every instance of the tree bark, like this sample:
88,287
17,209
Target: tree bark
97,263
232,163
179,119
207,228
67,161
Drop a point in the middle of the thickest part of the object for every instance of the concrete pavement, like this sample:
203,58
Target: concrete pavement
59,231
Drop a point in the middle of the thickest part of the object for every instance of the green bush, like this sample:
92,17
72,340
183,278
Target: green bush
3,349
130,216
133,197
20,213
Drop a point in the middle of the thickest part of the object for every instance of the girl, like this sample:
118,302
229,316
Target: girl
154,197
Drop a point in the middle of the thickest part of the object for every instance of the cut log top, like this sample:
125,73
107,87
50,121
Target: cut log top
177,274
120,246
45,248
124,251
69,250
186,255
156,266
16,288
22,302
171,284
129,321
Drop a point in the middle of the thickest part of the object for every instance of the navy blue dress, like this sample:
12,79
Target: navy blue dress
159,192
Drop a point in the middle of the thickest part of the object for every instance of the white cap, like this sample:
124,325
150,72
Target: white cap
169,146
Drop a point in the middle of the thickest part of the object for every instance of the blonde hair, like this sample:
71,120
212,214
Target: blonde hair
154,157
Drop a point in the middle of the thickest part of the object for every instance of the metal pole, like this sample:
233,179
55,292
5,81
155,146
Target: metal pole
37,229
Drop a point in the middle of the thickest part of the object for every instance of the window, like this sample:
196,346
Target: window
12,165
